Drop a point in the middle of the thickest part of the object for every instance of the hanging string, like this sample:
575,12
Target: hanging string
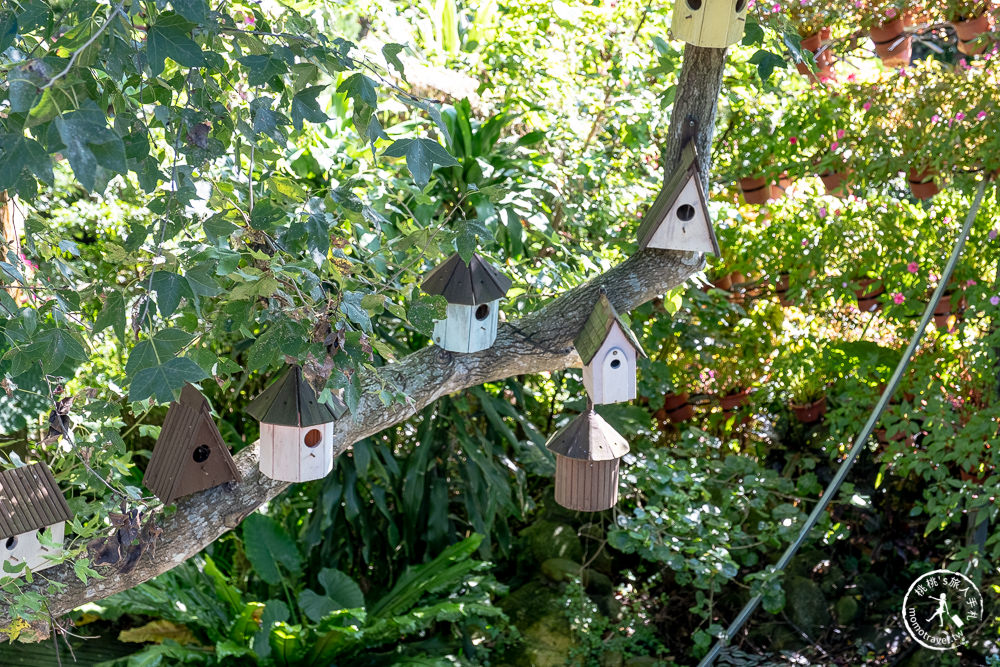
862,439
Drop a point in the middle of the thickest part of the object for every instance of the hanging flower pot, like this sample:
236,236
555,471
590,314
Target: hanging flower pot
922,184
823,58
892,44
836,183
734,399
944,309
724,283
868,296
810,413
676,408
969,32
755,190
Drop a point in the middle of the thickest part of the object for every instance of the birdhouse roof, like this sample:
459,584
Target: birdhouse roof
290,401
30,500
188,419
672,188
467,284
590,438
595,330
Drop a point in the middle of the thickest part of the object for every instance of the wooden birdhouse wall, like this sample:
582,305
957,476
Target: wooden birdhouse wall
205,463
468,328
294,454
27,547
710,23
685,226
586,486
610,377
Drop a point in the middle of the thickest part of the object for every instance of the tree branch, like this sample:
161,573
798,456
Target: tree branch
539,342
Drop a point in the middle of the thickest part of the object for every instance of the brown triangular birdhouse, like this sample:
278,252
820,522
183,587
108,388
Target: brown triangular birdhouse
678,218
31,505
587,454
190,454
610,352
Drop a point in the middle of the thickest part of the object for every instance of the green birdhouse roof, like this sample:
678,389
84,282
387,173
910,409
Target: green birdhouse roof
595,330
290,401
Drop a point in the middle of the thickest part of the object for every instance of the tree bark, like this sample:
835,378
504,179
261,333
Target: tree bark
540,342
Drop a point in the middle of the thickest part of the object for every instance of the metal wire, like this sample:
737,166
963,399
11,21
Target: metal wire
862,439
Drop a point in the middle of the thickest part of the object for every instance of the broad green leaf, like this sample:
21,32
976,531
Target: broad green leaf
170,37
89,143
164,345
351,306
267,546
165,382
263,68
359,88
424,310
57,345
169,288
391,54
305,107
466,234
196,11
8,30
275,611
112,315
421,156
341,593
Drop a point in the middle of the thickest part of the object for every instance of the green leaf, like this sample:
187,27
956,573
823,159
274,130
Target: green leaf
165,382
57,345
351,306
305,107
8,30
341,593
275,611
359,88
112,315
466,234
424,310
265,215
766,62
170,38
752,34
421,156
263,68
89,143
196,11
164,345
268,545
391,54
18,153
169,288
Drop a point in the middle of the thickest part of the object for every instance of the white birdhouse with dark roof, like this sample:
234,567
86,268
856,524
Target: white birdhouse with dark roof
32,509
711,23
587,453
678,218
296,430
473,292
610,352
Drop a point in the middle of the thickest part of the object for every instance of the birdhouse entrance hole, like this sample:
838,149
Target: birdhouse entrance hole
685,212
739,5
313,438
694,4
201,453
11,543
616,363
482,312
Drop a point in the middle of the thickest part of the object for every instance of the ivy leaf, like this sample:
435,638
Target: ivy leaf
170,38
169,288
359,88
391,54
374,132
305,107
766,62
164,345
263,68
267,545
112,315
89,143
59,344
467,233
421,156
351,306
18,152
425,310
196,11
8,30
164,382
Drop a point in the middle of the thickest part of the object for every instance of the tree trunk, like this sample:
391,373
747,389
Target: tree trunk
540,342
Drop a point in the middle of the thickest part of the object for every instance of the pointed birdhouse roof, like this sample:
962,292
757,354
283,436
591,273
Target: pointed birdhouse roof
467,284
290,401
686,180
590,438
597,327
173,472
30,500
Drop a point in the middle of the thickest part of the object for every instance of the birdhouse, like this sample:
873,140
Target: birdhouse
610,352
190,454
296,430
678,218
711,23
587,453
31,505
473,292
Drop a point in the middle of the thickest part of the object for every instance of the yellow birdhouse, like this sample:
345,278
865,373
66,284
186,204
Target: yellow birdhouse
711,23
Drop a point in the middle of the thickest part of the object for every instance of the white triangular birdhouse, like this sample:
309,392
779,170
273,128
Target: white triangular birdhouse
609,351
711,23
678,218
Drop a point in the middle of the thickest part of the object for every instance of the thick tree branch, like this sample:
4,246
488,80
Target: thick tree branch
540,342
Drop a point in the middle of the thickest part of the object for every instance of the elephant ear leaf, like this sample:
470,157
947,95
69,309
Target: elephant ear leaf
341,593
267,546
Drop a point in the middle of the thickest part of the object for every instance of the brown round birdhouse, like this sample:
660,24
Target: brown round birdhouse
587,454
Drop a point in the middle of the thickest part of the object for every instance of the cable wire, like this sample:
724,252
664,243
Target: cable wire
862,439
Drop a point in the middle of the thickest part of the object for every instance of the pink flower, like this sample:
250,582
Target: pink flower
866,106
851,78
249,19
793,140
805,242
970,282
935,118
993,234
981,115
891,12
898,298
840,134
822,211
995,300
912,267
960,116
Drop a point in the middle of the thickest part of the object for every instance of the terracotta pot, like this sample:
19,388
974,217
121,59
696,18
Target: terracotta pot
724,283
681,414
734,400
755,190
974,477
922,184
892,45
781,289
835,183
810,412
943,311
868,299
973,28
824,59
674,401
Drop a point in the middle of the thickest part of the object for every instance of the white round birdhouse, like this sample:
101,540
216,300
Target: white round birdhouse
587,453
473,292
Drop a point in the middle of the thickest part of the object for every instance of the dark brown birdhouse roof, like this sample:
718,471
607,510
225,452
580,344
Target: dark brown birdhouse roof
290,401
172,472
467,284
30,500
590,438
688,168
595,330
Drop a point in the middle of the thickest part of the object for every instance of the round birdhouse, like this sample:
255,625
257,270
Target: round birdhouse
587,454
710,23
296,430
